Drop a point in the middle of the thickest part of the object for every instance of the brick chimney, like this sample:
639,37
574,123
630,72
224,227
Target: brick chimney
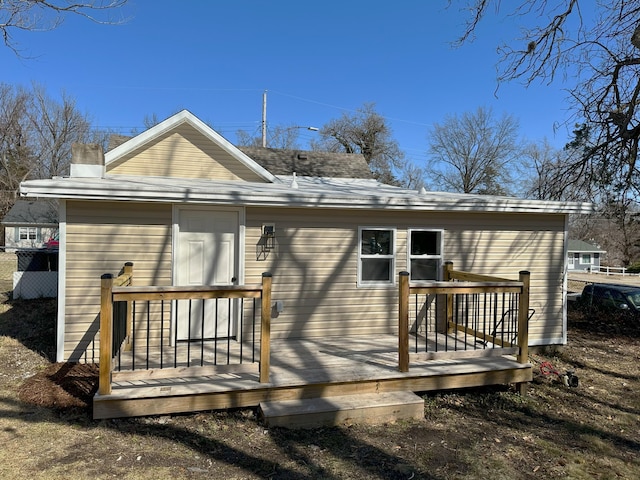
87,160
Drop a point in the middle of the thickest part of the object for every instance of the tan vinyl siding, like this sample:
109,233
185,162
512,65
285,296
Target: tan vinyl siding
315,264
101,237
184,153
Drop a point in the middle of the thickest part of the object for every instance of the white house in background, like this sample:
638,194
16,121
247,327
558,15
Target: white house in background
583,255
29,224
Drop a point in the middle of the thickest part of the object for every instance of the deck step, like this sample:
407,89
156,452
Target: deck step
371,408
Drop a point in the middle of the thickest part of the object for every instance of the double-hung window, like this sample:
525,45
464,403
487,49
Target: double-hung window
425,254
28,233
585,259
376,256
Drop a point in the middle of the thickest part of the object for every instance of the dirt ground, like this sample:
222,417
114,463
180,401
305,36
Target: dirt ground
582,432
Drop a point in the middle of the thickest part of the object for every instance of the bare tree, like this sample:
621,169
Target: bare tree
36,133
599,50
365,132
474,153
279,136
557,174
42,15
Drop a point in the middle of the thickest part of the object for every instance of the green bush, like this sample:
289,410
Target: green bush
634,268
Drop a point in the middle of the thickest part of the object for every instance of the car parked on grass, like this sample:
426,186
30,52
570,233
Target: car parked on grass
612,297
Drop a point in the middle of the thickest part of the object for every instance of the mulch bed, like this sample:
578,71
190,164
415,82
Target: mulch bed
61,386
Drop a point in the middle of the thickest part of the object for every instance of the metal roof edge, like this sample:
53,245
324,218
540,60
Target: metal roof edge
277,195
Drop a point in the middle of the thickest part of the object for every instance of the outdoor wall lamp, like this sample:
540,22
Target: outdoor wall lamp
268,237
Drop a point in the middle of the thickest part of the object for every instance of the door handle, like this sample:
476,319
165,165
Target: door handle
234,279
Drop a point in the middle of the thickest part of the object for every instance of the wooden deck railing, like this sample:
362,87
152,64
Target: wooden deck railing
118,316
471,311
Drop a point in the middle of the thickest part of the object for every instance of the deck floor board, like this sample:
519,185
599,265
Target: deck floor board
304,368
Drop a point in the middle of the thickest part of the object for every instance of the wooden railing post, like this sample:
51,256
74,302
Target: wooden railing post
448,277
265,329
446,271
403,323
128,270
106,333
523,326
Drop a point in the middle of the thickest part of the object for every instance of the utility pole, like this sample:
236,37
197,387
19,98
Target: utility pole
264,119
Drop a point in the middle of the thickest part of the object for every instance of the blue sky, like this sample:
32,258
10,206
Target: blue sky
316,60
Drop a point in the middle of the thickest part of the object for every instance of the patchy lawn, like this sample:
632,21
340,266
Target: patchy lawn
588,431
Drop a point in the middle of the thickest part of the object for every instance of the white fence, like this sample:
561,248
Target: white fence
612,271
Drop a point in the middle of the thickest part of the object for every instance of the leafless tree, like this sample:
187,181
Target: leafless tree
368,133
474,153
280,136
43,15
598,49
557,174
36,133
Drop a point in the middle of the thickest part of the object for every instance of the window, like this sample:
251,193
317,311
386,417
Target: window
28,233
585,259
425,254
376,256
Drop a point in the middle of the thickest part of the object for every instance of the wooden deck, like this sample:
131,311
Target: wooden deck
309,368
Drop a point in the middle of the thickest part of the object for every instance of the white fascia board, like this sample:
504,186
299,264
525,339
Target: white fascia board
256,194
173,122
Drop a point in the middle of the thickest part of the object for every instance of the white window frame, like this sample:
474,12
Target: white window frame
392,258
28,230
438,257
582,258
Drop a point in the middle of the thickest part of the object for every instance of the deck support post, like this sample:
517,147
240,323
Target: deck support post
106,333
403,323
523,326
265,328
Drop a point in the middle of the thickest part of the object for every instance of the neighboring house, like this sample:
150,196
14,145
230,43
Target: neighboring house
583,256
181,202
29,224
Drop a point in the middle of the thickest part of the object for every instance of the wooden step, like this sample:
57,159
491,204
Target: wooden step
371,408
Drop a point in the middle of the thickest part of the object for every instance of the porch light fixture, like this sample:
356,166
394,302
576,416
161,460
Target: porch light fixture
268,237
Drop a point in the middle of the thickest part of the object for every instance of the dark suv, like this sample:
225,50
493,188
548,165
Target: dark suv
606,296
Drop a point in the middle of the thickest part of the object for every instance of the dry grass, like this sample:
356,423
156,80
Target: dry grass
555,432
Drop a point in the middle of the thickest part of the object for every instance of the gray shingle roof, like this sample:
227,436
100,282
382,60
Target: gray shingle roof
32,212
580,246
309,163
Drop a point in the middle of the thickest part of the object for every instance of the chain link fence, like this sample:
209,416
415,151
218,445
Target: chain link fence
29,273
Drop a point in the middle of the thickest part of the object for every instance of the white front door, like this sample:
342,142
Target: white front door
206,255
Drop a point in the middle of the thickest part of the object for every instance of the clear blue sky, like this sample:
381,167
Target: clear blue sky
315,59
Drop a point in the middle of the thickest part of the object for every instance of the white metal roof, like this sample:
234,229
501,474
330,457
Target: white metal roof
288,192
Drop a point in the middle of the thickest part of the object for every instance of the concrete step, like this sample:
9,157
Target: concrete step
370,408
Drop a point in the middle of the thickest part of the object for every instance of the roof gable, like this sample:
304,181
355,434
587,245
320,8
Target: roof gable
185,147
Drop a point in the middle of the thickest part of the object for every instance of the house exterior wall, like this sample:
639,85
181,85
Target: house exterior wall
314,263
100,238
199,158
583,261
